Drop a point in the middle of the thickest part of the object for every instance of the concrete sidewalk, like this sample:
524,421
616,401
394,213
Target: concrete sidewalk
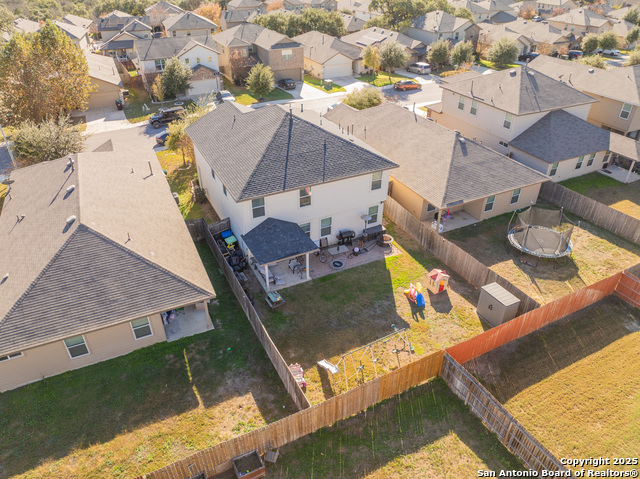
100,120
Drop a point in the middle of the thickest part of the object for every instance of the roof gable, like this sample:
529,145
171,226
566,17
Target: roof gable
439,22
320,47
166,47
188,21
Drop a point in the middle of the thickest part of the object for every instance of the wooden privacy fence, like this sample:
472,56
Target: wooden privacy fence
217,459
497,419
533,320
452,255
276,358
601,215
628,289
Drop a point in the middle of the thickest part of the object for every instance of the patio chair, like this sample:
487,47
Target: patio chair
298,374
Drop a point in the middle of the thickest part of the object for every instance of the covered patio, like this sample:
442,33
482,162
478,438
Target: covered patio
625,160
187,321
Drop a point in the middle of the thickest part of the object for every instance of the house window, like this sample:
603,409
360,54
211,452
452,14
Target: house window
430,207
515,196
197,59
376,180
141,328
257,207
325,227
474,107
305,196
503,144
250,48
461,103
592,157
306,227
188,33
439,35
213,175
76,346
209,59
508,118
554,169
625,112
224,190
488,206
173,33
373,212
605,160
457,35
471,37
159,65
579,163
287,54
11,356
186,61
213,30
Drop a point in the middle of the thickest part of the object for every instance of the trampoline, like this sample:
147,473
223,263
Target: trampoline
541,233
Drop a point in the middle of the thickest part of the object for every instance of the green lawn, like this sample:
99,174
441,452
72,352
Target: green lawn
359,305
133,414
619,196
317,83
572,384
382,79
245,97
425,432
488,64
597,254
135,110
179,179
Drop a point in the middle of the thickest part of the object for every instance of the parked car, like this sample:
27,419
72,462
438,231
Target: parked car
527,57
420,68
573,54
404,85
225,95
613,53
161,138
287,84
165,116
537,18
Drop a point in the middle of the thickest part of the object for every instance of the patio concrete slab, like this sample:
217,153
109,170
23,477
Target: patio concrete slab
188,322
620,174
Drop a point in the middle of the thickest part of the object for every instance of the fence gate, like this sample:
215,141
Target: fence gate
497,419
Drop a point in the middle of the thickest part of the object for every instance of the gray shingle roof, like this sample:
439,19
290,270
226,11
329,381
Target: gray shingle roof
582,17
504,17
74,32
261,152
244,4
187,21
103,68
77,21
238,16
252,33
167,47
274,240
164,7
433,161
538,32
127,254
473,7
320,47
519,91
559,135
352,23
117,45
116,22
439,21
377,35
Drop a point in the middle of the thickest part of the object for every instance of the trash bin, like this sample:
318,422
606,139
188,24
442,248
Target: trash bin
119,104
328,84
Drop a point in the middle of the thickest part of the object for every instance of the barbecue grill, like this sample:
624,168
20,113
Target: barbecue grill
345,237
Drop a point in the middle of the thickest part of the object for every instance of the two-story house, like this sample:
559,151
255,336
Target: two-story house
274,162
188,24
329,57
117,22
581,21
261,45
480,14
545,8
433,26
159,12
241,11
489,33
330,5
78,35
542,32
376,36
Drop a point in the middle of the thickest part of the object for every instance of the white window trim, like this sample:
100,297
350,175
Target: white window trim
503,144
505,120
9,357
330,226
622,110
472,108
377,214
580,162
264,207
493,203
374,179
69,352
591,160
461,102
308,233
310,196
513,193
557,166
133,330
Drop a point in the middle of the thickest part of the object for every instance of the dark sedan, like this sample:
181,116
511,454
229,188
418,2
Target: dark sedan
527,57
161,138
287,84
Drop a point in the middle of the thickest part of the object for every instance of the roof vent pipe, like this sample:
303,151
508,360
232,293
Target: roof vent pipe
71,219
71,188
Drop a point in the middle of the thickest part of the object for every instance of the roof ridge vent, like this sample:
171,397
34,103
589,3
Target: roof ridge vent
462,140
530,73
71,188
591,70
512,73
71,219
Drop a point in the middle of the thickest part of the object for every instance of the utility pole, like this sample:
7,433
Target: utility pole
13,161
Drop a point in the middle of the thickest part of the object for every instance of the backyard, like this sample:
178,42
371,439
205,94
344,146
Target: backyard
317,83
332,315
245,97
382,79
619,196
573,384
597,254
136,413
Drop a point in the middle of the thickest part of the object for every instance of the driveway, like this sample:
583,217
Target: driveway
106,119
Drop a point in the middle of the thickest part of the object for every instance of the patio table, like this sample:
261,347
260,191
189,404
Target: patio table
340,249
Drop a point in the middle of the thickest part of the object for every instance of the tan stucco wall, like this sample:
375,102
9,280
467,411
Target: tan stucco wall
606,112
53,358
410,201
106,94
194,32
566,168
528,195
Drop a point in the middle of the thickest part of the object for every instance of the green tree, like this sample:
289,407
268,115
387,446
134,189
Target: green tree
632,15
439,53
346,11
175,78
323,21
178,138
590,43
503,52
462,12
398,12
440,5
378,21
633,36
49,140
371,58
42,75
156,88
45,10
260,80
634,58
608,40
6,20
132,7
392,56
596,61
462,53
362,98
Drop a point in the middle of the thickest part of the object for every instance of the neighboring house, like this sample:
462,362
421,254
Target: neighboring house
440,171
22,25
248,5
159,12
233,18
274,163
78,35
621,29
328,57
564,146
494,109
188,24
542,32
81,22
376,36
116,22
105,79
330,5
204,81
545,8
581,21
619,13
437,25
496,7
352,23
121,46
479,12
151,55
488,34
504,17
258,44
360,8
617,91
95,250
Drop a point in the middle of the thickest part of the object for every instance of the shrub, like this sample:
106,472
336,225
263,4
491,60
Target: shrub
363,98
